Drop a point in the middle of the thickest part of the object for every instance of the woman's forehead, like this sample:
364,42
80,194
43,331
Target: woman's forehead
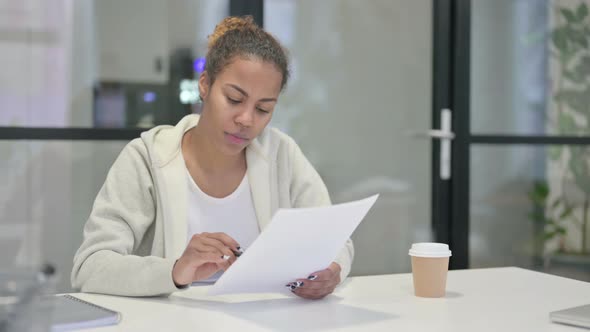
252,73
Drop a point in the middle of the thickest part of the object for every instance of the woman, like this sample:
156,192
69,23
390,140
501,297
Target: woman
180,203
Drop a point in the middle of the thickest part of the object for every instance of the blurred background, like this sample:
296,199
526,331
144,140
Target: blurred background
81,78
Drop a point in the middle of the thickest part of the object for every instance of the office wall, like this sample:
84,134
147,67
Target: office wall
34,63
360,91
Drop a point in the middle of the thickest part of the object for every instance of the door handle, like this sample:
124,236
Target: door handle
440,134
445,134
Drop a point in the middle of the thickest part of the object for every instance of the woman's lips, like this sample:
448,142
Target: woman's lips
235,139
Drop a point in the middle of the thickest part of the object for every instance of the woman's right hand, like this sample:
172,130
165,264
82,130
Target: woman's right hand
203,256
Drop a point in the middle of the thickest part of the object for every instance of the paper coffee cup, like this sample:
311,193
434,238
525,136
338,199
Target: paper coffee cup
430,264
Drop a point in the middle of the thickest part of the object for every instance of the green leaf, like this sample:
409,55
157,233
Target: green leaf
568,14
537,217
541,188
537,202
549,235
578,37
556,203
566,212
557,230
538,195
537,199
582,11
559,38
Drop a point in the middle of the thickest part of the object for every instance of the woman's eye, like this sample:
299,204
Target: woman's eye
233,101
262,110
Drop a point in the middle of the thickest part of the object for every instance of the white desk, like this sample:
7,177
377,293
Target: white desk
499,299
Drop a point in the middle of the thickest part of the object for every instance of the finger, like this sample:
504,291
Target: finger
200,248
294,285
227,250
325,274
226,262
227,259
318,284
198,258
209,257
202,242
212,246
225,239
313,294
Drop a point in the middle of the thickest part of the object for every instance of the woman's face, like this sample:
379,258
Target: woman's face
240,103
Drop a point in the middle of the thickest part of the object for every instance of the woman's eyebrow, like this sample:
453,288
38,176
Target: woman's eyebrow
238,88
246,94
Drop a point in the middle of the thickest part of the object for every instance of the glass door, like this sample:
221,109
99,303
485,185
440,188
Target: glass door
526,196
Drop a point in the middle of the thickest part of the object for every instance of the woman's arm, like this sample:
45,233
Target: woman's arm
123,212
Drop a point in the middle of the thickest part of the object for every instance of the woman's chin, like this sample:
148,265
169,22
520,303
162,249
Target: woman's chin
232,149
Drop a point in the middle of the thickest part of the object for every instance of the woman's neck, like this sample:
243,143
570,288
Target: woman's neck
209,159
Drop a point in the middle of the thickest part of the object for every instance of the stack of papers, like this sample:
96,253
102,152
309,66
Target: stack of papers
297,242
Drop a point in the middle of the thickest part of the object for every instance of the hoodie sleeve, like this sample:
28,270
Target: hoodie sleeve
123,212
308,190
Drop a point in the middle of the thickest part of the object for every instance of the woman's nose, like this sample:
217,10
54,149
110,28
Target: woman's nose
245,118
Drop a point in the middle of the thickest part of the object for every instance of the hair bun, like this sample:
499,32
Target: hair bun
231,23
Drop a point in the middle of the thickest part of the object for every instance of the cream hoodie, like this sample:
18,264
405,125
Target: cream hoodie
138,225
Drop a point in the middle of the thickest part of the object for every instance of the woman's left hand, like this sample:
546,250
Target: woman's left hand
318,284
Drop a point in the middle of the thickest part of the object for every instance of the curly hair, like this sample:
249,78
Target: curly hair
240,36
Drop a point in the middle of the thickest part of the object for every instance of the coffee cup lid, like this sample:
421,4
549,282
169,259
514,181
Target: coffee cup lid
430,249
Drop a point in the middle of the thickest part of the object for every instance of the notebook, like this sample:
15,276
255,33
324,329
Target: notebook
578,316
72,313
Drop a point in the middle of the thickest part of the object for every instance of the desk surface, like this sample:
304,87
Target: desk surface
498,299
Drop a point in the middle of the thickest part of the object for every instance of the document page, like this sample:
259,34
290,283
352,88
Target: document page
296,243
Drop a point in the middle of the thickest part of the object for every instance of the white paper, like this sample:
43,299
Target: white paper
296,243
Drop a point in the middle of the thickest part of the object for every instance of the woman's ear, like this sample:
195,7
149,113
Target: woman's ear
204,85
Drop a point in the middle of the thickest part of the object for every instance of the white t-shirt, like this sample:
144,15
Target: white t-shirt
233,215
